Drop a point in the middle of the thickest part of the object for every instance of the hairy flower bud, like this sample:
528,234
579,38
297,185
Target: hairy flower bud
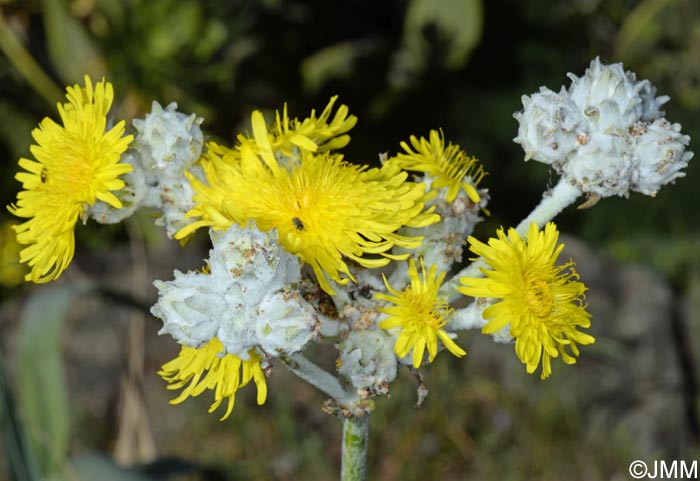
168,141
367,358
605,134
249,298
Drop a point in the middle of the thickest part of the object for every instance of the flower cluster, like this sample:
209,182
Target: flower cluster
299,234
325,209
242,310
606,133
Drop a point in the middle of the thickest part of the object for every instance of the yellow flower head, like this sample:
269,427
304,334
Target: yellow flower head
448,166
76,164
324,209
312,134
420,313
542,302
206,368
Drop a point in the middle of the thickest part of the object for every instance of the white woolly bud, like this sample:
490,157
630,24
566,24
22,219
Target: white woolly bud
603,166
367,358
286,323
132,195
553,125
660,154
248,299
620,140
173,197
168,141
254,258
608,95
190,307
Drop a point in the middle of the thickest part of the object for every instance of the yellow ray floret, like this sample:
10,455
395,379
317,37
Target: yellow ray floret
449,166
543,303
76,164
197,370
314,134
420,313
324,209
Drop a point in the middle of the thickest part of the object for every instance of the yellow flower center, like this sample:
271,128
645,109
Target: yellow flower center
423,309
79,174
539,297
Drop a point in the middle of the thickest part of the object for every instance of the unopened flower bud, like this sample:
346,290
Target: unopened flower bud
367,358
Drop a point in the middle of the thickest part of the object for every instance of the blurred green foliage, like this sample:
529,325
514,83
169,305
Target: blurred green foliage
403,67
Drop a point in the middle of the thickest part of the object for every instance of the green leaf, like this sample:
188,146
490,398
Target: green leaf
70,48
15,129
42,396
332,62
640,29
457,22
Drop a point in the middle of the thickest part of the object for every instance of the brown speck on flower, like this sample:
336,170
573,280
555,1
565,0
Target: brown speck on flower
637,129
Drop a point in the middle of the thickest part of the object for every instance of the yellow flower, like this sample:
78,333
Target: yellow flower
11,271
206,368
448,166
323,208
542,302
313,134
76,164
420,313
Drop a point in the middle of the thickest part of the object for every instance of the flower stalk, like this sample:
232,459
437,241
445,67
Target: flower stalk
320,379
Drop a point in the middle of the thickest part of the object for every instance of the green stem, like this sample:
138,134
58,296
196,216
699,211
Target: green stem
26,65
355,434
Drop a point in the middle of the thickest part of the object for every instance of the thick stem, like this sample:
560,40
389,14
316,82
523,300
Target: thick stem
355,435
553,202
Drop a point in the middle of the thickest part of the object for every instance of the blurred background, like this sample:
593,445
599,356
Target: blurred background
80,394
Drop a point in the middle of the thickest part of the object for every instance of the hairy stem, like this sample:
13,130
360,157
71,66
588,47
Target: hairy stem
320,379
